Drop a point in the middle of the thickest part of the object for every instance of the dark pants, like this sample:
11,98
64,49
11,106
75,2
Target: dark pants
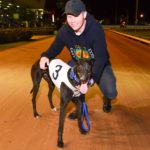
107,83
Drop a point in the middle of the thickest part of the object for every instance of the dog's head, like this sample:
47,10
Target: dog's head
82,74
83,70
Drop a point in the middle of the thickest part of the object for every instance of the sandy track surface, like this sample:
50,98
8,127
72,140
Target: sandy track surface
127,127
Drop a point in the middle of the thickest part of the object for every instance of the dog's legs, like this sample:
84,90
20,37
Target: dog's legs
63,106
51,89
65,94
36,75
79,115
35,91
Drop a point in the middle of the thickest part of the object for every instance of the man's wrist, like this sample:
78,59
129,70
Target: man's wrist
91,82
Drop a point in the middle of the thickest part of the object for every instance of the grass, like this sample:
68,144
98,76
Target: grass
142,33
15,44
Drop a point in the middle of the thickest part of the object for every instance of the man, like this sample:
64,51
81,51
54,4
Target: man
84,38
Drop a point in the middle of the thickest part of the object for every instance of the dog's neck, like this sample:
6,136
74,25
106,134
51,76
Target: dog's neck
73,77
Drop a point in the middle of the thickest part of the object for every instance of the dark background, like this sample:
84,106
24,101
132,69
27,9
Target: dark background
111,10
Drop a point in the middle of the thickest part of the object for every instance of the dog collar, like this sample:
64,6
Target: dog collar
73,76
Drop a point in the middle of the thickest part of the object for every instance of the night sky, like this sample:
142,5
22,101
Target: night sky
112,10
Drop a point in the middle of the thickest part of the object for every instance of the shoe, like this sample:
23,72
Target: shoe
72,115
107,105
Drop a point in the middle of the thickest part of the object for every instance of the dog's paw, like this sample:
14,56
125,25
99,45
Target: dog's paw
54,109
60,144
83,132
72,116
36,116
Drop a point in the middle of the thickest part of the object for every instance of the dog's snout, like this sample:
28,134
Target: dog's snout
84,78
84,71
83,81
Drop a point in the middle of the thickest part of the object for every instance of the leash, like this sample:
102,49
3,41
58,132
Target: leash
85,117
84,108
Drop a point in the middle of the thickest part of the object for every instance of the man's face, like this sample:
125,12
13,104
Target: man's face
76,22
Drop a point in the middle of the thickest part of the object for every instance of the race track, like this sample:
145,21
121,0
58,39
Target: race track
127,127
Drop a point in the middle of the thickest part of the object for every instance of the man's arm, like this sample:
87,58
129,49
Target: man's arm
101,54
55,48
52,51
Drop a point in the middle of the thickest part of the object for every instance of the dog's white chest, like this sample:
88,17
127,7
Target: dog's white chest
58,71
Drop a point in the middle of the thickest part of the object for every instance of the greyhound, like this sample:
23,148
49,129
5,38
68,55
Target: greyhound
72,83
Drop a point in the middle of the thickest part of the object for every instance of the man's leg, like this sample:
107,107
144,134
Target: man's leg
107,85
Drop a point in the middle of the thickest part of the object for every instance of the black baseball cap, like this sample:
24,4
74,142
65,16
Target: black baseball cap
74,7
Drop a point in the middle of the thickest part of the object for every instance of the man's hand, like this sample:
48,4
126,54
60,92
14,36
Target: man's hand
44,62
91,82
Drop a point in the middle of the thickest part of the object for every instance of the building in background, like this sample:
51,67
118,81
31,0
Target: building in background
24,13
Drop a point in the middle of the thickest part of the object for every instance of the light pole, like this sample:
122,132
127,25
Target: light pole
136,12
